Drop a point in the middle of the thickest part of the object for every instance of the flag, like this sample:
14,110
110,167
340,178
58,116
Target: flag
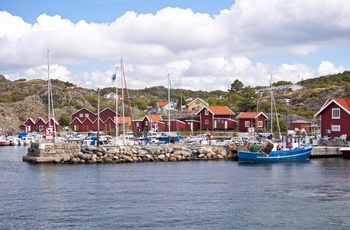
114,76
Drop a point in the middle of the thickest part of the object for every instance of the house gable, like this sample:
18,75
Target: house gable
196,104
335,114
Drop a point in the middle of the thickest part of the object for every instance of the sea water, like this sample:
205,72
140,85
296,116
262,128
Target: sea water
173,195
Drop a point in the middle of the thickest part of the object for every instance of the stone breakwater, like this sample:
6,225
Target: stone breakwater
74,154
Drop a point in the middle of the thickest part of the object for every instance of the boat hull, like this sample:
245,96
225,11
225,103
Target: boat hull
5,143
346,152
297,154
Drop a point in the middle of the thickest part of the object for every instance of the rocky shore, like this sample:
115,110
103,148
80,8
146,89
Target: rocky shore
74,154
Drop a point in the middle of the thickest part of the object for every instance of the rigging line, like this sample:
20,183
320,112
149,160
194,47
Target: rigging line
129,105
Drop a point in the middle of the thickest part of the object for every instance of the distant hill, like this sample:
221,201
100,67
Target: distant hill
22,99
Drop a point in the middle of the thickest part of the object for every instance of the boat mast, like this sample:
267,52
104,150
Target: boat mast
271,105
129,104
48,87
122,99
50,97
169,105
114,78
98,117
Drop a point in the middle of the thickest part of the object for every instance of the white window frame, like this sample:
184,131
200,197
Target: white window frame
260,123
247,124
335,128
335,112
206,121
206,112
86,115
81,115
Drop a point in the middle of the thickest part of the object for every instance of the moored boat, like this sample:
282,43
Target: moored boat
301,153
346,152
5,142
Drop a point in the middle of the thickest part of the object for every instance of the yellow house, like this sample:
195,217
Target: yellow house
196,104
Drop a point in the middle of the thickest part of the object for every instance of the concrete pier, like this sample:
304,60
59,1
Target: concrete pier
48,152
326,151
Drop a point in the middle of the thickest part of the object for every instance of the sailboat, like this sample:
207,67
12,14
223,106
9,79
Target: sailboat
171,138
50,130
126,138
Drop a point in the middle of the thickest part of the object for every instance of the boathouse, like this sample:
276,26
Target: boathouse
335,116
248,120
216,118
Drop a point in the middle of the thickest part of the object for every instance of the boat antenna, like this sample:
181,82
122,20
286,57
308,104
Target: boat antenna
287,124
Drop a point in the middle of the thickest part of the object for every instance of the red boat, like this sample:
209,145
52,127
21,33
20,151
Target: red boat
346,152
5,142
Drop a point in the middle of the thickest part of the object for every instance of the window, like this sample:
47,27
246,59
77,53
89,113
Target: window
206,121
86,115
335,128
206,112
336,113
81,115
137,124
260,123
146,123
247,124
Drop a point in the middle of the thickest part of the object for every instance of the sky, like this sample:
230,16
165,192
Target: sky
198,44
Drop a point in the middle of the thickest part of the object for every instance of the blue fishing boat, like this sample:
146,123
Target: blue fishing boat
297,154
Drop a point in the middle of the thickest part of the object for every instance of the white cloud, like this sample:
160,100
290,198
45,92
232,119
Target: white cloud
199,51
326,68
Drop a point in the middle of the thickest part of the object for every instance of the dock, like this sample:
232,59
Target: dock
326,151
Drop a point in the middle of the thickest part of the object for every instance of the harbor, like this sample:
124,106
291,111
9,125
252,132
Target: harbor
201,194
72,153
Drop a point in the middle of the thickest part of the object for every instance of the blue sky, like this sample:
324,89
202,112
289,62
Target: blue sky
104,11
203,45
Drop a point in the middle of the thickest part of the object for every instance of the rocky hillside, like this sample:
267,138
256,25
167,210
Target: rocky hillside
23,99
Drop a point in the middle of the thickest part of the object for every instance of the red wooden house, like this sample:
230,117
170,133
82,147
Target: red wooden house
335,116
38,125
107,114
28,125
52,123
192,125
300,125
149,122
251,120
82,114
216,117
175,125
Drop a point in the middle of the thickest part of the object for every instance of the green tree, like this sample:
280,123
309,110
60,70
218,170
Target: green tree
64,120
236,86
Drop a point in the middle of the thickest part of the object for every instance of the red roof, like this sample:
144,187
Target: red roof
162,103
218,110
154,117
249,115
343,103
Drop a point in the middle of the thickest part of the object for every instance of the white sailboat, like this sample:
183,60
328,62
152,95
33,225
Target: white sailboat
126,138
50,130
